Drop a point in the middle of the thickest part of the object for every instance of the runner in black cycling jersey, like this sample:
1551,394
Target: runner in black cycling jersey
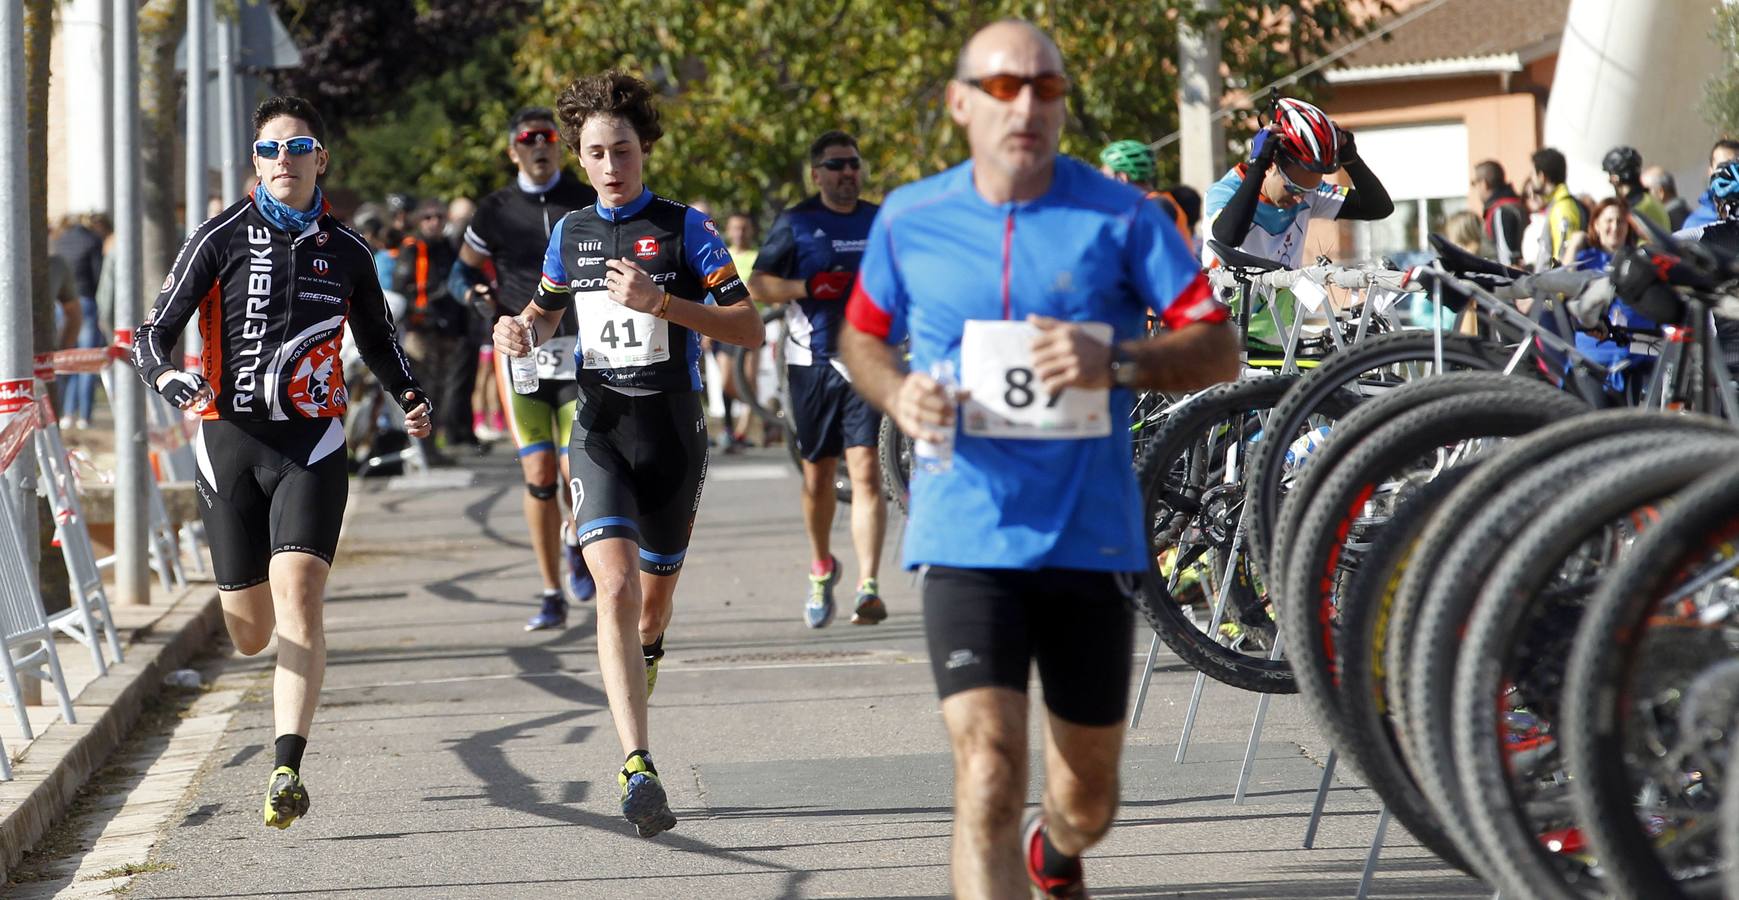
511,227
274,279
637,270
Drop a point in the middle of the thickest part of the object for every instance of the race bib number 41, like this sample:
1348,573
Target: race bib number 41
1007,400
612,336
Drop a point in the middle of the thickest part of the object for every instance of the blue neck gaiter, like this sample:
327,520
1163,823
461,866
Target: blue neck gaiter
285,216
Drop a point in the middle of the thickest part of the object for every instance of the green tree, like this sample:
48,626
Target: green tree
747,85
1721,95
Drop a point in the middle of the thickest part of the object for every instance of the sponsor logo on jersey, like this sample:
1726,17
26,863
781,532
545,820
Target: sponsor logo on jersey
316,384
589,247
321,238
719,276
710,227
662,277
856,246
646,248
321,266
819,233
587,282
259,298
168,282
320,298
588,261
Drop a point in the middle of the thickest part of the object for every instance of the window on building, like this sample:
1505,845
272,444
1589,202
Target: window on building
1425,169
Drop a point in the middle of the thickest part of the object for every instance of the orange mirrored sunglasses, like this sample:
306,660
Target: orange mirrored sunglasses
1047,86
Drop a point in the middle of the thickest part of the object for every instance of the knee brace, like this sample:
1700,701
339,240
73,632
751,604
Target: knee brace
541,491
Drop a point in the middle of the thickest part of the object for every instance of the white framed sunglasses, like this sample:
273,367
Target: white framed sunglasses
301,145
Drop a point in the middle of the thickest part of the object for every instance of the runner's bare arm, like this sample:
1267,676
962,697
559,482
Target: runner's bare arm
915,401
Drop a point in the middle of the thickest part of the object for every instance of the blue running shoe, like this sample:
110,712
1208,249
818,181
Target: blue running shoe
579,581
818,611
643,800
870,609
553,615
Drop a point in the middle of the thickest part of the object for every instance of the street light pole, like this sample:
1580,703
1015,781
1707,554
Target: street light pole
132,586
227,114
16,364
198,20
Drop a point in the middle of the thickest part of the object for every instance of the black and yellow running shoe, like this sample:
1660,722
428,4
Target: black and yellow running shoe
286,798
643,799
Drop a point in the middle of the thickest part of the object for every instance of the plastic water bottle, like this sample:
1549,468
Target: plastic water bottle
1305,447
523,369
936,457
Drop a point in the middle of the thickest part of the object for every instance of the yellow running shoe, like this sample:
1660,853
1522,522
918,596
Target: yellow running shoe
643,799
286,798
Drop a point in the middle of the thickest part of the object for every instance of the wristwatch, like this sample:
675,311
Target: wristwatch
1124,371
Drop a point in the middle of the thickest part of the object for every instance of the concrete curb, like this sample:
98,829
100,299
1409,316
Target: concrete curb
64,757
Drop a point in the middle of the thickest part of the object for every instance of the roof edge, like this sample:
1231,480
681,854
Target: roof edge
1495,64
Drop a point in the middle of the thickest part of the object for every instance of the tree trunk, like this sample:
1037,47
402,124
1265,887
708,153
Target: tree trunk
161,26
38,37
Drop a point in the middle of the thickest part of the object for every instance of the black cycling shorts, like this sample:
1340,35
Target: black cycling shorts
266,488
828,414
636,468
985,628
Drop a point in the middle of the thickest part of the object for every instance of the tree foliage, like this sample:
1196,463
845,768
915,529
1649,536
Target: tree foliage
746,85
1721,95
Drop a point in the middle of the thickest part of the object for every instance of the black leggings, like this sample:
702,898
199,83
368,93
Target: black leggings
266,488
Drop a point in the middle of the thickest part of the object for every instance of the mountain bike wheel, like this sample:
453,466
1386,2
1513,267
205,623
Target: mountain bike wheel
894,454
1352,428
1513,657
1664,612
1192,503
1373,367
1350,714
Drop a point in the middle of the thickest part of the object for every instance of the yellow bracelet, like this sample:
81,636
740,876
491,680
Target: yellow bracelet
663,307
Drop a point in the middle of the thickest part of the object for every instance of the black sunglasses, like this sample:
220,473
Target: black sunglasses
841,163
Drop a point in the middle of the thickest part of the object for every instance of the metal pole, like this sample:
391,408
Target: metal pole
1321,799
17,367
227,116
1255,735
198,20
132,585
1202,131
198,13
1376,854
106,22
1146,678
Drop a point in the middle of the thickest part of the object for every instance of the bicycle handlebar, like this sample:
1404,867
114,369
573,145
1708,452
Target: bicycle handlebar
1351,277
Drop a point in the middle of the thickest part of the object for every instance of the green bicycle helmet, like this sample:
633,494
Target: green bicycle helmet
1132,158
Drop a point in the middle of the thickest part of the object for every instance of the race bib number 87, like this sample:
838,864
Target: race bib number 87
1008,401
612,336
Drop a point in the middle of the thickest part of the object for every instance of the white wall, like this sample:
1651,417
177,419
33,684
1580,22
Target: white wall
79,161
1632,72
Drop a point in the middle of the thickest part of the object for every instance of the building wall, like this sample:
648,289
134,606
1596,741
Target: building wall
1504,118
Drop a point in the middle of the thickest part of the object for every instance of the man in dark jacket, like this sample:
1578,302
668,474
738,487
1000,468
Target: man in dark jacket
1504,214
436,325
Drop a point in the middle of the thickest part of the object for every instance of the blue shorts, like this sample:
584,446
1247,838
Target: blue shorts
828,414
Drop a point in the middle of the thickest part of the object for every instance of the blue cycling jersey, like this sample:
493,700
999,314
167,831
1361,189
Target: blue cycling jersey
808,239
1089,249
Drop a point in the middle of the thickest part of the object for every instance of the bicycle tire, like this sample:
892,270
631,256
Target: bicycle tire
1595,735
1293,412
894,455
1496,628
1343,714
1448,528
1425,723
1153,597
1362,420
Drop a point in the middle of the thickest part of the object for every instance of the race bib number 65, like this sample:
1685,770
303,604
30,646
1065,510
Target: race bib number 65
1008,401
612,336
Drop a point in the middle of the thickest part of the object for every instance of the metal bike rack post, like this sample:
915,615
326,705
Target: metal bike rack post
1146,677
1189,718
1255,732
1321,798
1376,852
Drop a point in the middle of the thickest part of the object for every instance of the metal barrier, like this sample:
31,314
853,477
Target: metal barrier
26,639
90,609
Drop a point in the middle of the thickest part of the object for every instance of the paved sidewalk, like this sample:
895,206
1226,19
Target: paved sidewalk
456,755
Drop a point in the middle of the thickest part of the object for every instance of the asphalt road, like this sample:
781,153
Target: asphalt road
456,755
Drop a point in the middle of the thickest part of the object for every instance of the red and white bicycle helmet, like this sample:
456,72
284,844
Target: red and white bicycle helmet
1307,135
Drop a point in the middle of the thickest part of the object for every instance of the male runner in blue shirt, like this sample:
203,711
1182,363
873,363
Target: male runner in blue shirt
1034,275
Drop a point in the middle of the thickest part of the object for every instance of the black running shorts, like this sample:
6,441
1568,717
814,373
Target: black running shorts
828,413
266,488
985,628
636,468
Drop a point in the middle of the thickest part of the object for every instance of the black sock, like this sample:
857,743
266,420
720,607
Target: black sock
1052,862
289,748
730,419
653,651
